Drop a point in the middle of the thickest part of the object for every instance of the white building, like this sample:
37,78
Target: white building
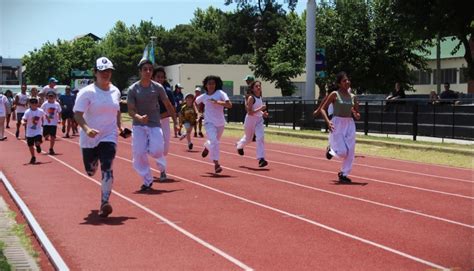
191,75
452,69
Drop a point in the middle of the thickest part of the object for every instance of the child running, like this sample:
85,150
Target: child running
254,122
214,121
32,119
53,116
187,118
342,126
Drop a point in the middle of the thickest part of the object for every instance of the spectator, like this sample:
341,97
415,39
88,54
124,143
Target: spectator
397,94
434,99
448,96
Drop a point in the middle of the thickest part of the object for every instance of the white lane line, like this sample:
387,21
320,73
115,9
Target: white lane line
360,177
299,217
370,166
162,218
51,251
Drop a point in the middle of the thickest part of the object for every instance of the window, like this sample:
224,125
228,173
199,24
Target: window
243,90
447,75
228,87
463,75
421,77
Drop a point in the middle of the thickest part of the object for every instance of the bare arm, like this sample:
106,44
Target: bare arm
171,111
79,117
331,98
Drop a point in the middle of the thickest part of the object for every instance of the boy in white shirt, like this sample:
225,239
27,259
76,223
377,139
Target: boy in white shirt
33,121
53,110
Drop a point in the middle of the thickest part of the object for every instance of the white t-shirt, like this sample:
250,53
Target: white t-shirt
34,122
23,101
3,105
100,108
46,89
214,113
52,111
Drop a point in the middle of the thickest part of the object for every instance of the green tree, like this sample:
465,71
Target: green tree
425,19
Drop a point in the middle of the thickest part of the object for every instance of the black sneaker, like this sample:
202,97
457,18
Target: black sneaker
51,152
262,162
145,188
328,154
205,152
63,129
200,134
217,168
195,134
240,151
343,179
33,160
105,209
17,134
38,148
190,146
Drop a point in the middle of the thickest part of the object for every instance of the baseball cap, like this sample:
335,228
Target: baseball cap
249,78
52,79
178,85
103,64
33,100
197,89
51,93
189,95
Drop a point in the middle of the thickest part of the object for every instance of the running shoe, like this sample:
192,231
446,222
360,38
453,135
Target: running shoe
328,153
145,188
217,168
181,137
105,209
63,129
33,160
262,162
195,134
200,134
51,152
205,152
163,176
38,148
240,151
343,179
190,146
17,134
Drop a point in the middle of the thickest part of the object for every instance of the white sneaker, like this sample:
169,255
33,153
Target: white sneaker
181,137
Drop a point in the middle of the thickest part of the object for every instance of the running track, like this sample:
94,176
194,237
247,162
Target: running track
291,215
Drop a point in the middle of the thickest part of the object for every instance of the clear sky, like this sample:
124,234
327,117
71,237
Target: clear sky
28,24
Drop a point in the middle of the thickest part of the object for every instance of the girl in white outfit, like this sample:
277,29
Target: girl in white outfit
342,126
254,123
214,121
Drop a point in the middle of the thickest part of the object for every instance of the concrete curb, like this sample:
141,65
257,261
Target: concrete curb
303,135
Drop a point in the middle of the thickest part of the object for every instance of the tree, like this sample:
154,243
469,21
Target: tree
428,18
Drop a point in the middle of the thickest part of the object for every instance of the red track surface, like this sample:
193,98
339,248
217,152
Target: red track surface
291,215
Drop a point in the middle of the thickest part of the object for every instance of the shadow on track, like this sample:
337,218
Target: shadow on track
95,220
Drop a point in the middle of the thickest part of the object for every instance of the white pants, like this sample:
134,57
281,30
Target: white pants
2,127
213,134
165,128
253,125
146,140
342,142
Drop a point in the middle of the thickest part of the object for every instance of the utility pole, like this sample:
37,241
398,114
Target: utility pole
310,50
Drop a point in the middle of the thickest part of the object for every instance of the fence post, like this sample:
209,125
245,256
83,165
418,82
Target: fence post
366,118
381,116
294,115
415,121
268,118
396,119
452,132
434,120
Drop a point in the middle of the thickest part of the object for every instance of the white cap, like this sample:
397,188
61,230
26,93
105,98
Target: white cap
103,64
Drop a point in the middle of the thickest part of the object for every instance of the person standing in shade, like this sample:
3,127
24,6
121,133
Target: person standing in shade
214,100
144,108
253,124
341,126
21,104
97,112
159,75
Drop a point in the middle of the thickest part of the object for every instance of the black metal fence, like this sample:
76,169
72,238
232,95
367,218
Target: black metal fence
416,117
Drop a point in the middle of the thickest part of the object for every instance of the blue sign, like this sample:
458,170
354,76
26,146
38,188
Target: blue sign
320,59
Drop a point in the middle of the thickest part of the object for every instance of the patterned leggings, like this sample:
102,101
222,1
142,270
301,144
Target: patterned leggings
105,153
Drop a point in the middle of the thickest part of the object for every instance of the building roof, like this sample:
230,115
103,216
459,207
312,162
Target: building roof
94,37
447,46
10,62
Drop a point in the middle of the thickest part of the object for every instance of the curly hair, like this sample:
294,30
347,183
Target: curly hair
216,79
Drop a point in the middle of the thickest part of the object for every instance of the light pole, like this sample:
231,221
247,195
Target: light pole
310,49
